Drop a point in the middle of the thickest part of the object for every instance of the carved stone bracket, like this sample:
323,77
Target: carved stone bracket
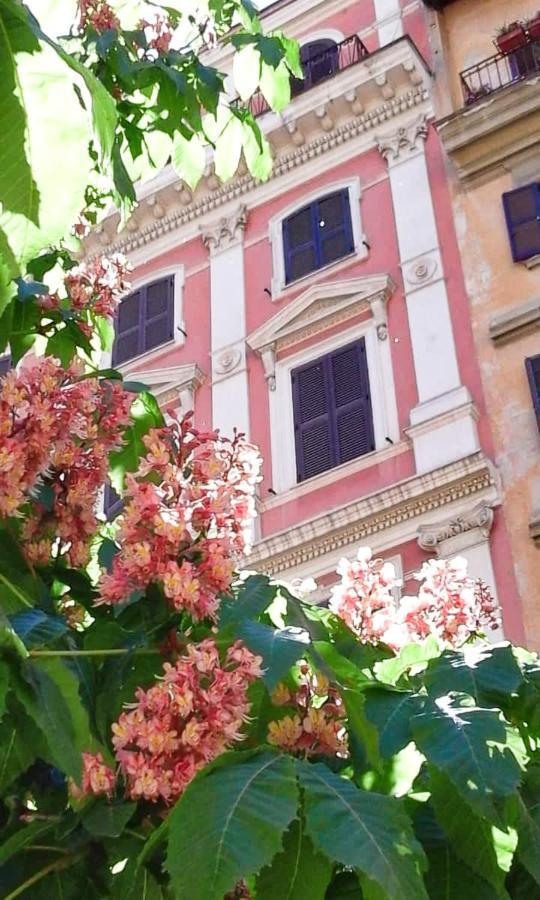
479,519
408,139
268,356
226,231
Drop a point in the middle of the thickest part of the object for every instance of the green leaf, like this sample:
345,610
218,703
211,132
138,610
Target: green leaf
362,830
246,70
136,884
360,726
252,599
486,673
448,878
35,627
20,744
411,656
18,586
471,837
467,743
107,819
39,139
297,872
344,886
21,838
257,151
4,685
527,822
146,414
337,667
188,158
279,648
228,149
235,818
276,85
390,712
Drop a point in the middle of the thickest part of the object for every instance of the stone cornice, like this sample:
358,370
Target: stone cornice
515,321
406,140
480,518
386,510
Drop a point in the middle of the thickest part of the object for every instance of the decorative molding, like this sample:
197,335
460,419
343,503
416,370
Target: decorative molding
392,509
318,308
129,241
479,519
408,139
226,232
226,361
422,271
515,321
178,383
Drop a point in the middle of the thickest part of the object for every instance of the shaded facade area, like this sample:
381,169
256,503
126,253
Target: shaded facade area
325,312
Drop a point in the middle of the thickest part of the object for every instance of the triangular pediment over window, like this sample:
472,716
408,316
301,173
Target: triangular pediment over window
175,384
321,306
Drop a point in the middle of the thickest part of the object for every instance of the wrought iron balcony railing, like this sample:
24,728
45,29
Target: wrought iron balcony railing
500,71
317,69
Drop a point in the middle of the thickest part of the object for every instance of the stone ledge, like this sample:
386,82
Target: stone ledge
514,321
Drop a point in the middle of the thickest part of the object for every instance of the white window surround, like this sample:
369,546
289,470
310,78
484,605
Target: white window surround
325,34
178,271
383,401
275,232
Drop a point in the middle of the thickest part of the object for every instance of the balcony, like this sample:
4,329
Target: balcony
500,71
318,67
500,116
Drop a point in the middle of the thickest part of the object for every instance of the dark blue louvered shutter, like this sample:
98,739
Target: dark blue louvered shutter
145,320
313,434
112,502
334,228
522,211
299,243
532,365
5,364
351,401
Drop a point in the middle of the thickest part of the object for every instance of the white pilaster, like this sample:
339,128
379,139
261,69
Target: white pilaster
389,23
230,399
443,424
465,535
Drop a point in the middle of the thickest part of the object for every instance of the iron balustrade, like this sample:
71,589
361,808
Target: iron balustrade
500,71
317,69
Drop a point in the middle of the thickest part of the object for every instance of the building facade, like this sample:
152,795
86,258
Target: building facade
325,314
487,104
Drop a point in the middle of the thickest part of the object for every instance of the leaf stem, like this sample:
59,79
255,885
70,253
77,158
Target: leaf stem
121,651
47,848
51,867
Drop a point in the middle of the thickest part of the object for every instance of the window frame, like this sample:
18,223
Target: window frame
275,232
383,404
178,272
530,363
511,223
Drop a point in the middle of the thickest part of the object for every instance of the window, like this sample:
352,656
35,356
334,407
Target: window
112,502
319,59
5,364
317,235
145,320
522,211
333,421
533,371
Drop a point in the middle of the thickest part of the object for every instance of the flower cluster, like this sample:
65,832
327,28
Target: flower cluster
190,716
158,32
56,431
186,518
316,726
449,604
97,777
96,286
97,14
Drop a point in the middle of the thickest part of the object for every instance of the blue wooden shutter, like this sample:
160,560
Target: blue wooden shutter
112,502
299,243
522,211
313,435
334,229
145,320
532,365
5,364
351,402
333,419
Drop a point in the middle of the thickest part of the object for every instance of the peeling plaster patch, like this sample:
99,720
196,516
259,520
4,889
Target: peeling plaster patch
519,440
477,272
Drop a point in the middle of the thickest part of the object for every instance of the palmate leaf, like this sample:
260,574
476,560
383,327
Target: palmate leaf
362,830
229,824
448,878
297,872
526,818
471,837
253,597
279,648
20,743
108,820
391,712
146,414
39,139
486,673
19,589
35,627
4,685
467,743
